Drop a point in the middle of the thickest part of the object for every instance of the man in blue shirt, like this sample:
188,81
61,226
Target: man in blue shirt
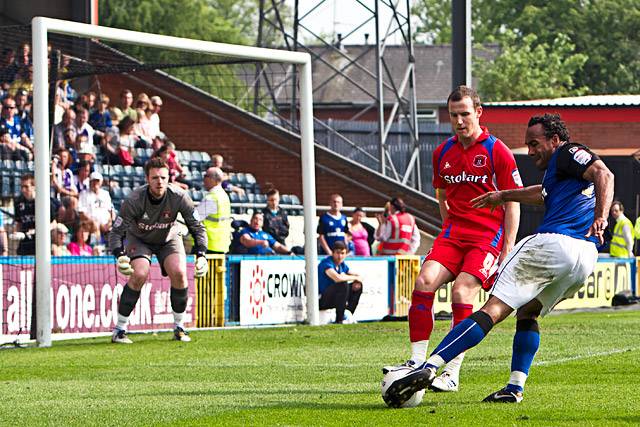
542,269
337,286
332,226
259,242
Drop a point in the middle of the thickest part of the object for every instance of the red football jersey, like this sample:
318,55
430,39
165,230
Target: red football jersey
487,165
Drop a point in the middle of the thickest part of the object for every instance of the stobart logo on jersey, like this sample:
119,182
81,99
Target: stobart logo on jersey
465,177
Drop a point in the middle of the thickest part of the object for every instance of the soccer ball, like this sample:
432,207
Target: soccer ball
391,375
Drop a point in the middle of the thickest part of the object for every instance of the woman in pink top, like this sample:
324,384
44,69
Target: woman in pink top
79,245
359,234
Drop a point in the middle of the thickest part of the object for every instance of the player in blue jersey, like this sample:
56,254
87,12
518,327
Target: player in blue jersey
542,269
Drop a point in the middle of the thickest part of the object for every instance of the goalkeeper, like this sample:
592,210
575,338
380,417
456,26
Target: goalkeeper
147,223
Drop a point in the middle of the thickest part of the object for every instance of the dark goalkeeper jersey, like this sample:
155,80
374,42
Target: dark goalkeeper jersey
154,222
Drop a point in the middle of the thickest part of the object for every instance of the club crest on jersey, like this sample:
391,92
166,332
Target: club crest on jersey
166,214
480,160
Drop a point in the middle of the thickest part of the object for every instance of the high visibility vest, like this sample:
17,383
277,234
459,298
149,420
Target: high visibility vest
618,246
401,231
218,225
637,229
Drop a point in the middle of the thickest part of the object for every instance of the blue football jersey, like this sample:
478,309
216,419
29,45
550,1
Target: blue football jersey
569,199
333,228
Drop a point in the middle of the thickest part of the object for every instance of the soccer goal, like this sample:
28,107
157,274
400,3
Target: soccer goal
42,29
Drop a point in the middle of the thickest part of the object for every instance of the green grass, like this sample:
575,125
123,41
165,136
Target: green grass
587,372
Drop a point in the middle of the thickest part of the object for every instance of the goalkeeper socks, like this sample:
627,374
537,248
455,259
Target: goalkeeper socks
526,342
467,334
179,299
421,316
178,320
128,300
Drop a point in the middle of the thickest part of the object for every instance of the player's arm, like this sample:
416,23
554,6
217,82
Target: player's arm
341,277
195,227
603,180
116,236
441,194
531,195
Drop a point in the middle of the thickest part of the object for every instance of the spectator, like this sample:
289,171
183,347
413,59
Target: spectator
215,213
95,205
8,66
276,221
218,161
68,122
348,241
337,287
100,119
21,132
59,240
332,225
82,123
23,80
62,177
69,215
119,148
359,234
23,106
83,150
23,59
88,101
125,108
80,245
636,230
25,216
175,169
621,245
81,178
259,242
4,243
11,150
154,118
397,231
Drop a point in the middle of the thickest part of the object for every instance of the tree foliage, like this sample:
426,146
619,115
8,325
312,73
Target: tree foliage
605,32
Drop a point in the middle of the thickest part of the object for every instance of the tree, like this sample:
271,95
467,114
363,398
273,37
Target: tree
606,31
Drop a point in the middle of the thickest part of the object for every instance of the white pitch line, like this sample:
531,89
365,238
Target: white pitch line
583,356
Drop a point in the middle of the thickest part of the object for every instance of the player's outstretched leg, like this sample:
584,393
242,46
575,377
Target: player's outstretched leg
526,342
128,300
449,379
179,299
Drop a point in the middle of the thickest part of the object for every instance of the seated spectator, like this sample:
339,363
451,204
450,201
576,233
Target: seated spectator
119,148
218,162
68,122
125,109
23,57
4,242
23,80
175,169
332,225
95,205
25,216
68,214
82,150
80,246
276,221
81,178
259,242
348,241
142,128
338,287
100,119
11,150
61,175
82,123
21,132
397,232
359,234
88,101
154,118
59,240
8,66
23,106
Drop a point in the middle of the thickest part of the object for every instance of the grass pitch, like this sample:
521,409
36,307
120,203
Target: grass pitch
587,372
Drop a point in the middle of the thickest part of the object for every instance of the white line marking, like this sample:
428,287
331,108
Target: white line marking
584,356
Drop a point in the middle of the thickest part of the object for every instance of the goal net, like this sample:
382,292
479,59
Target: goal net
66,62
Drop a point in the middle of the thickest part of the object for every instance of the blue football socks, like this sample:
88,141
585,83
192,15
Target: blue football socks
526,342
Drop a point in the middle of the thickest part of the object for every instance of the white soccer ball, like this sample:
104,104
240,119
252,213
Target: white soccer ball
391,375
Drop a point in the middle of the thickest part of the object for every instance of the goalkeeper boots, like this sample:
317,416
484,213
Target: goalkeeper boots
119,336
179,334
504,396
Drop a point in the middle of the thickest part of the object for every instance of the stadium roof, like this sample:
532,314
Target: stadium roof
575,101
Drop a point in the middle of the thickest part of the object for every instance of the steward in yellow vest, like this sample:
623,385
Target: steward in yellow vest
215,212
622,241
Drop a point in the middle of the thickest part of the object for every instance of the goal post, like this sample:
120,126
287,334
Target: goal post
41,27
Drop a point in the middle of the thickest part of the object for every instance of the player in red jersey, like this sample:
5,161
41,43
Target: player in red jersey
472,241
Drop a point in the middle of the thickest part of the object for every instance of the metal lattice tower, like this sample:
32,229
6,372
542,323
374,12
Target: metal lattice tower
392,96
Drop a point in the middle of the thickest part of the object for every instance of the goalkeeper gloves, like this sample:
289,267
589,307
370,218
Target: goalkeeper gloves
123,262
202,266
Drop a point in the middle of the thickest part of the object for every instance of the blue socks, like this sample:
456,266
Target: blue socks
526,342
465,335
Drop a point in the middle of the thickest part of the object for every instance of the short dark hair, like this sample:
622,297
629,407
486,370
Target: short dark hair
398,204
359,209
620,205
155,163
272,192
462,91
339,245
28,177
552,124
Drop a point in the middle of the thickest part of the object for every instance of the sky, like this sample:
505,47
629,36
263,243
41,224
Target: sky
344,16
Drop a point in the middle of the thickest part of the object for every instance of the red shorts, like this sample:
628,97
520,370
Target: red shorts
476,259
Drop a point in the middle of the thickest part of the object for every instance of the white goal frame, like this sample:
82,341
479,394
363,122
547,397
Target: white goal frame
40,28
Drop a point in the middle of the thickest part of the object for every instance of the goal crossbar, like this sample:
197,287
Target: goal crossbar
41,26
